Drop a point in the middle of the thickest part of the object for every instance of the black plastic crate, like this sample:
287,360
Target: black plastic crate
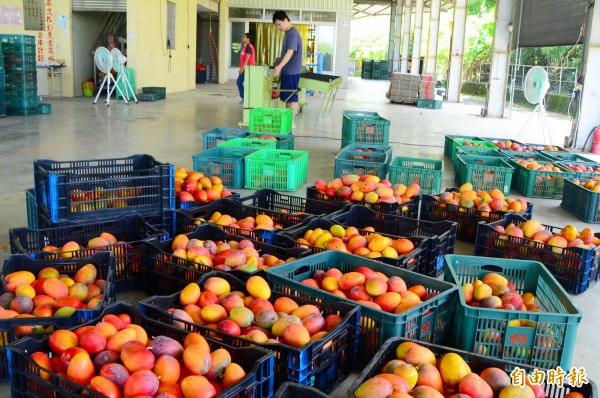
165,274
407,209
419,258
146,97
293,390
441,234
26,382
466,219
88,190
576,269
38,327
161,92
128,230
273,200
476,362
187,220
309,365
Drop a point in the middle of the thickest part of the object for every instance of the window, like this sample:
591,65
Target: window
171,8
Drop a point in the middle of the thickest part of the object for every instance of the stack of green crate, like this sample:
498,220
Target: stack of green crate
376,70
384,73
21,74
367,69
2,88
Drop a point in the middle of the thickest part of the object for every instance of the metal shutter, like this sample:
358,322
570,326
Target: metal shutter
100,5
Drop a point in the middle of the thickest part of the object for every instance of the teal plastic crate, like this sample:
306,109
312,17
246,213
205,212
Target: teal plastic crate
425,172
214,137
429,103
271,120
16,39
429,321
161,92
449,143
559,156
361,163
485,331
459,143
225,163
582,202
44,108
547,147
365,147
283,141
484,173
364,127
248,143
540,184
594,166
276,169
529,156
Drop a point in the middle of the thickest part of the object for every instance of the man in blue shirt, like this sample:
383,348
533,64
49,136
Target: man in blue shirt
290,65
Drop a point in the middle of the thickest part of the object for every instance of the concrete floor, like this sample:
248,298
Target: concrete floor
171,131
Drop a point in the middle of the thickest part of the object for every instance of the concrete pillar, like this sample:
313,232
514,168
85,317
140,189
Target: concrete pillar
224,37
457,50
589,112
500,59
398,35
432,45
416,50
392,33
406,36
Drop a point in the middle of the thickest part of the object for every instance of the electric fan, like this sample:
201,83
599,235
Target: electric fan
103,61
119,66
535,87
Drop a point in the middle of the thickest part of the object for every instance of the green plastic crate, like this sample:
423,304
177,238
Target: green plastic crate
559,156
361,163
429,103
284,141
540,184
541,147
461,142
529,156
485,331
484,172
582,174
364,127
276,169
429,321
271,120
449,143
363,147
44,108
160,91
248,143
225,163
425,172
582,202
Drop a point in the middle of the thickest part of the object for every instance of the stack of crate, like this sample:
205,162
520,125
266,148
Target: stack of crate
21,75
2,87
404,88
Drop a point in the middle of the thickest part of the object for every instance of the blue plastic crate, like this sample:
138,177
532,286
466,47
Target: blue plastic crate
26,382
128,230
309,365
89,190
214,137
429,321
226,163
294,390
104,263
32,216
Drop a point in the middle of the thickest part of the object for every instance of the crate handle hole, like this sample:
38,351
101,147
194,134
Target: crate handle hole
493,268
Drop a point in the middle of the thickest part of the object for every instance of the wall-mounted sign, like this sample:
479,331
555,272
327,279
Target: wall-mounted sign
34,14
11,16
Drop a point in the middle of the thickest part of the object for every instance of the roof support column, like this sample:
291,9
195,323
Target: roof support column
432,45
457,50
500,59
416,50
224,37
406,36
391,35
589,110
398,35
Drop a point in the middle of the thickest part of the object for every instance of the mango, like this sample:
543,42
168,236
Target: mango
118,340
296,335
140,333
43,360
169,390
496,378
230,301
265,319
81,369
190,294
426,392
282,323
6,298
494,278
142,382
163,345
197,359
93,342
313,323
197,387
242,316
180,315
428,375
105,387
306,310
14,279
214,313
376,387
475,387
258,287
234,373
116,373
105,357
86,274
399,385
61,340
408,373
419,355
351,279
220,360
391,365
453,368
195,338
54,288
388,301
135,356
403,348
22,305
217,285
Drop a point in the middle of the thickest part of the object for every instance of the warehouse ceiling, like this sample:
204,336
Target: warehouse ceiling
369,8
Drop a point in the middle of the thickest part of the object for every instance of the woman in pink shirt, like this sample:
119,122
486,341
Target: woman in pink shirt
247,58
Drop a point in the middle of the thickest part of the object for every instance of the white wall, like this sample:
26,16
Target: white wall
86,26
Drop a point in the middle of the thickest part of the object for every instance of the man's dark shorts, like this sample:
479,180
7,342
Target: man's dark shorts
289,88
